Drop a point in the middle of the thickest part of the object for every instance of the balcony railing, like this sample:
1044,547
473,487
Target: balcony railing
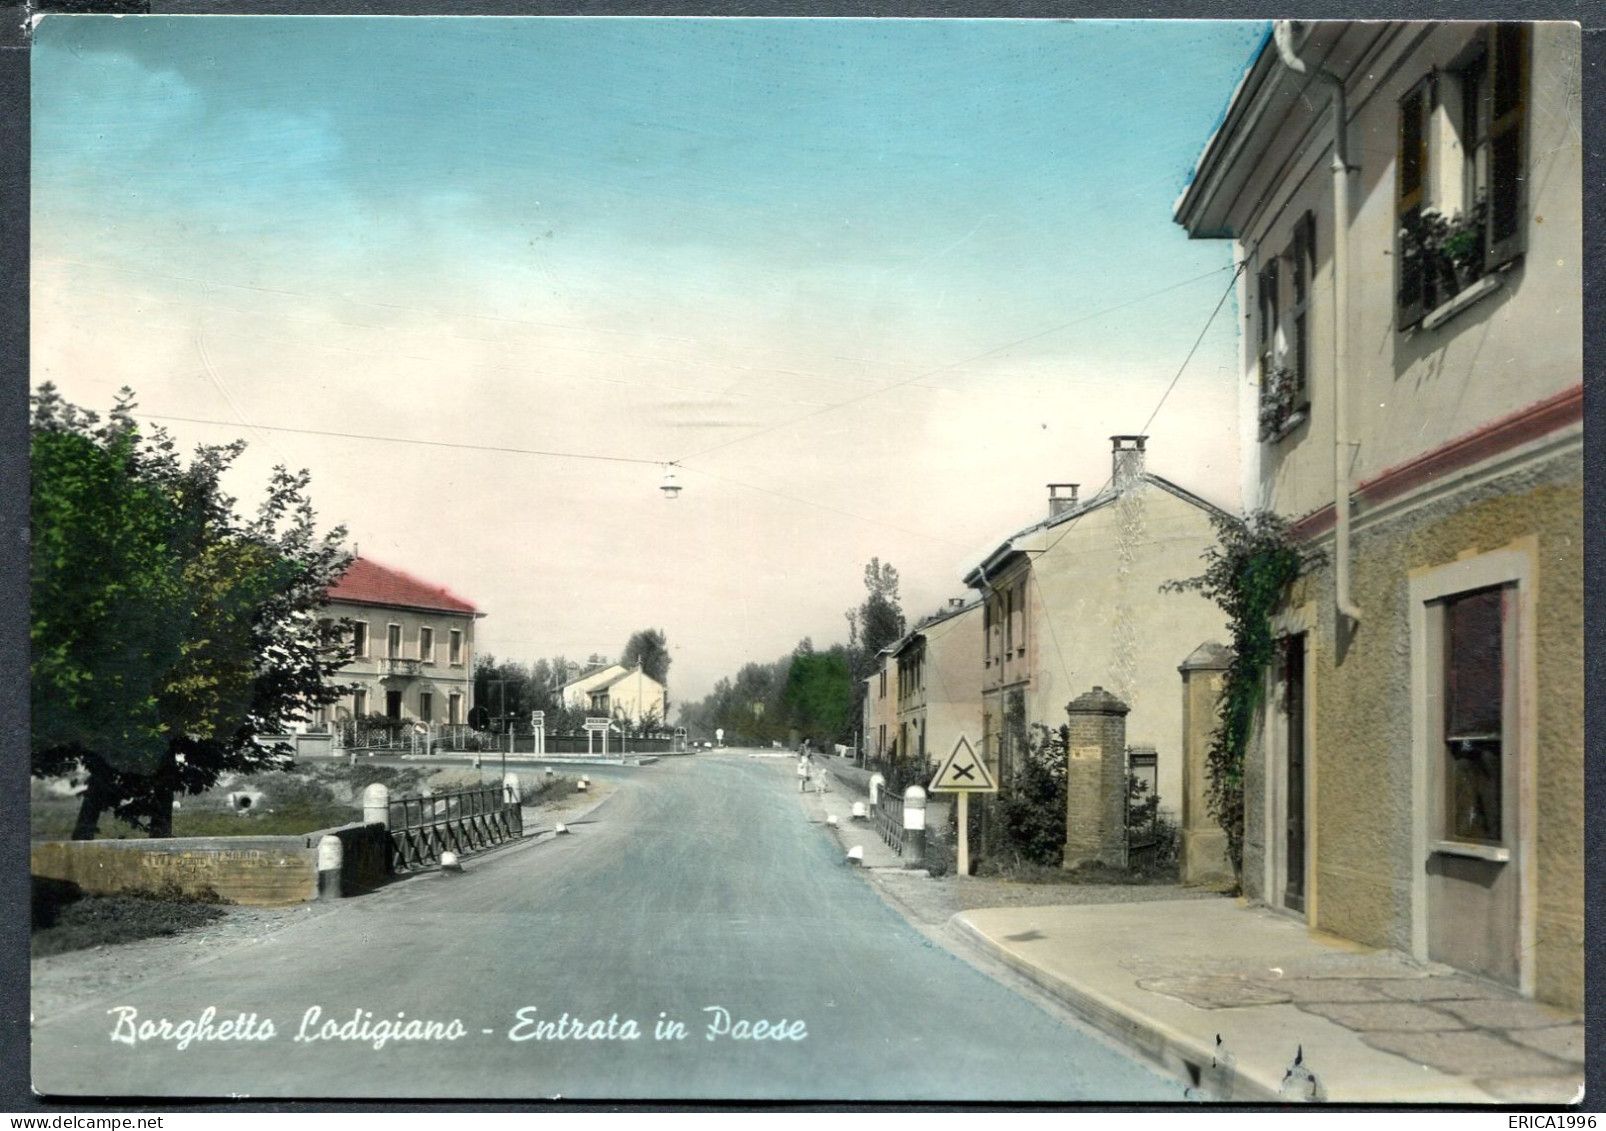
398,665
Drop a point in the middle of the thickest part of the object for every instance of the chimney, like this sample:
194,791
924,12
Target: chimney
1057,503
1127,458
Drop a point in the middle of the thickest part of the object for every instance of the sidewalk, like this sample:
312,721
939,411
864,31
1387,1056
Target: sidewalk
1225,996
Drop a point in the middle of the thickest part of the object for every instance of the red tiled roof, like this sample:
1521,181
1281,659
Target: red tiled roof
370,583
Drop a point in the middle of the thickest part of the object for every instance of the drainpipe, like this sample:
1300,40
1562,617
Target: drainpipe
1283,36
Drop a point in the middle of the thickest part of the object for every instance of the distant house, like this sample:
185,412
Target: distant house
881,707
413,644
937,698
617,692
1407,200
1074,601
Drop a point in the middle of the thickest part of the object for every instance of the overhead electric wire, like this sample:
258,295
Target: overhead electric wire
945,368
1071,523
408,440
1231,283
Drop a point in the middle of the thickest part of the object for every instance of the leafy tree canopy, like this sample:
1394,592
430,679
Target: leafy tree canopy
167,633
650,649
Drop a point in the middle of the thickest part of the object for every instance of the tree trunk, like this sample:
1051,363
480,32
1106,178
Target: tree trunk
162,811
91,805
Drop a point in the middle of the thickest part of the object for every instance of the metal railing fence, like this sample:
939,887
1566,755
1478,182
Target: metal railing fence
461,821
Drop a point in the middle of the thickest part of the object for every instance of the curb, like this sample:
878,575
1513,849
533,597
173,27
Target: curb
1186,1058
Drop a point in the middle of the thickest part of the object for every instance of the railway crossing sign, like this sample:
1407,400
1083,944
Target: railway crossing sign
963,772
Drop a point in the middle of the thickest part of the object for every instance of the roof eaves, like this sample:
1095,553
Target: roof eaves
1215,158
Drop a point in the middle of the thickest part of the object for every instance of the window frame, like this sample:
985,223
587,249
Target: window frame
361,640
426,652
1286,284
454,647
1514,567
1441,640
1478,106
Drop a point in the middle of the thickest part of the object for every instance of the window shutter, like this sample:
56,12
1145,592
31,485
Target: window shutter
1411,177
1508,106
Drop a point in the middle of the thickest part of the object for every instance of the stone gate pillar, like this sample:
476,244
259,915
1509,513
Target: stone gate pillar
1204,844
1095,780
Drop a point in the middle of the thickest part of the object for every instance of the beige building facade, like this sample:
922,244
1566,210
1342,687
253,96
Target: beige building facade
1406,199
413,645
1075,602
880,738
936,694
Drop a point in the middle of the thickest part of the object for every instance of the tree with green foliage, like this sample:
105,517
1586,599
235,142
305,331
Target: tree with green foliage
649,649
1030,813
874,623
818,695
167,634
1247,573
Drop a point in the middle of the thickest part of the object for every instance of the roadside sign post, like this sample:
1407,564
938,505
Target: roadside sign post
594,725
538,726
963,773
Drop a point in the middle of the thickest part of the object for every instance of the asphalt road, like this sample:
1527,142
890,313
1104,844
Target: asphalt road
700,894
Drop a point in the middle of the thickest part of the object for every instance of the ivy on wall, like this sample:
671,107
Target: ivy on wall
1247,572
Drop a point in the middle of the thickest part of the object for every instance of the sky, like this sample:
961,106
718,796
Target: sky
868,284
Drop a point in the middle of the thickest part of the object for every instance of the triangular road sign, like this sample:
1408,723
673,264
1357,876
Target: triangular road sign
963,772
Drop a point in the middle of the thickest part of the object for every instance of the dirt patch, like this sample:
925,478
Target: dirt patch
65,981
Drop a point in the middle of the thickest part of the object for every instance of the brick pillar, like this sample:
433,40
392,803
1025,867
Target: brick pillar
1095,781
1204,845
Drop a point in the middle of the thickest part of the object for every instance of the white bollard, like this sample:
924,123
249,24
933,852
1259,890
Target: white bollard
376,805
583,784
560,829
830,819
512,794
914,826
877,784
856,854
859,812
449,862
331,855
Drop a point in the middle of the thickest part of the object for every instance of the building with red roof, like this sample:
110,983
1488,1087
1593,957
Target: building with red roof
413,642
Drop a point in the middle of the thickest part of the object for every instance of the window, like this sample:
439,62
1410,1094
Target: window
454,647
426,707
1284,333
359,638
393,706
426,644
454,709
1474,718
393,637
882,694
1459,174
359,703
1017,623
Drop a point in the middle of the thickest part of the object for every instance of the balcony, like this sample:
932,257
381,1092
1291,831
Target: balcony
398,666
